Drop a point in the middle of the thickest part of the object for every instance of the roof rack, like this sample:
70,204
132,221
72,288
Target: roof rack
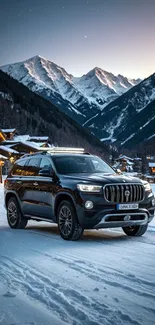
63,150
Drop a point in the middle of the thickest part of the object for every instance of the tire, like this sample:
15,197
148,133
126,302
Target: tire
68,224
14,215
135,231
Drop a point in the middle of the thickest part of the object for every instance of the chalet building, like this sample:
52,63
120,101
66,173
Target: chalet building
152,168
124,163
13,145
9,133
127,164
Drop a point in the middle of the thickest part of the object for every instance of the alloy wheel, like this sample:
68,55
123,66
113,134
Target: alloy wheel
12,213
65,220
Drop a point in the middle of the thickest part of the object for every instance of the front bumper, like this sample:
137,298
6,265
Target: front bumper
105,215
125,219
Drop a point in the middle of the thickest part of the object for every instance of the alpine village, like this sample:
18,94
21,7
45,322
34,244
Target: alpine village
13,146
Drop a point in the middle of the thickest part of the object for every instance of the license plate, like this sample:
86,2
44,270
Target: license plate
130,206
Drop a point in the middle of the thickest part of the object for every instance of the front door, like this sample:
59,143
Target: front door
45,186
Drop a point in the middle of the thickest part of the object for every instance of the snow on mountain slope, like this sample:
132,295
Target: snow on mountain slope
81,98
101,87
130,119
46,280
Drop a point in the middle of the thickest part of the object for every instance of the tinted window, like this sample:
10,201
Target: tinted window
19,168
45,163
81,164
32,168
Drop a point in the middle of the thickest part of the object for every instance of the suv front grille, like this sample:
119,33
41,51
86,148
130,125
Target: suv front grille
123,193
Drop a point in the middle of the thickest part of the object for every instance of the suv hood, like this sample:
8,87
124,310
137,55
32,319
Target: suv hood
103,178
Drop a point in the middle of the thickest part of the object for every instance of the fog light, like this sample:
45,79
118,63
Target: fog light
153,202
89,205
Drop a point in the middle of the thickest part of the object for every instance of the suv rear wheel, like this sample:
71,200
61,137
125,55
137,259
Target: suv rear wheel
68,224
135,230
14,215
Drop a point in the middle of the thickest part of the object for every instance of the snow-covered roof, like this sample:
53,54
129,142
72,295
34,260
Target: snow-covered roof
8,149
30,144
39,138
8,130
151,164
124,157
129,163
3,157
19,138
26,137
40,144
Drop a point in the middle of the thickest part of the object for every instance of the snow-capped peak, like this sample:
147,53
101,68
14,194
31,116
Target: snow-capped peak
95,89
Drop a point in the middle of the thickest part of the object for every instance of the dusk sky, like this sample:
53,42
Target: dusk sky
115,35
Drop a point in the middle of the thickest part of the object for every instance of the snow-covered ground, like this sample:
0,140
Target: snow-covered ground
104,279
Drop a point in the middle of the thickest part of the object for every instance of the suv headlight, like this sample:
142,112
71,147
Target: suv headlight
147,187
89,188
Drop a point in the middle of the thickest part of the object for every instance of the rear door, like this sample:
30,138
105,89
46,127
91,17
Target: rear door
29,187
14,183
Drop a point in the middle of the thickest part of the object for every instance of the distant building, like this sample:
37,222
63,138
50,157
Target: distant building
124,163
9,133
152,168
13,145
127,164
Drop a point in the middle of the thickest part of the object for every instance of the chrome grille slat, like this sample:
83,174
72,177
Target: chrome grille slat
134,192
113,193
122,193
116,193
138,198
140,193
131,193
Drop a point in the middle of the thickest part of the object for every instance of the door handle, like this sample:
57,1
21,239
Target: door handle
35,184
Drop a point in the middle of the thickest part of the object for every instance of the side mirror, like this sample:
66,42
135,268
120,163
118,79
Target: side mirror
46,172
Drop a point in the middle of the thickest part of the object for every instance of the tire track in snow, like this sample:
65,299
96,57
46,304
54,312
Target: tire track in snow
43,289
65,303
98,273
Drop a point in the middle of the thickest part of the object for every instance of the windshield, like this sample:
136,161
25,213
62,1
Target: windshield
81,164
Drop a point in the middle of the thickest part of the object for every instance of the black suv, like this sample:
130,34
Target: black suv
78,191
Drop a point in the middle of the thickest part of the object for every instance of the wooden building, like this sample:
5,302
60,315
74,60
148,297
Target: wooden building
152,168
9,133
13,145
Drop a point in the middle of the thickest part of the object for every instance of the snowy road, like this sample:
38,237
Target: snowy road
104,279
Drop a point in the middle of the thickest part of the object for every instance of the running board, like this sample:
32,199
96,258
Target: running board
27,216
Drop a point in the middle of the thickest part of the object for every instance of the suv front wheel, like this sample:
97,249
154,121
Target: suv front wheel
14,215
135,230
68,224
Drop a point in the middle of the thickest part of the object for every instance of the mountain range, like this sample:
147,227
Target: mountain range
116,109
80,98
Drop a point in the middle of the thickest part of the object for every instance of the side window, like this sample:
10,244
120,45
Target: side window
45,163
32,168
19,168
